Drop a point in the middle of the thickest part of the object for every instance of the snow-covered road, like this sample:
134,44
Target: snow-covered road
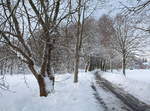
136,82
108,99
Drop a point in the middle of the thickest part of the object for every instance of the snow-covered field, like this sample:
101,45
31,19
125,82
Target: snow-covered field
136,82
24,95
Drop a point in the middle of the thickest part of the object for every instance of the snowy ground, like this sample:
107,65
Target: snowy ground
136,82
109,100
23,95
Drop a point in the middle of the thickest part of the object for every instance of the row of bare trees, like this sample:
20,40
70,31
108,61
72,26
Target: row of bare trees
21,18
61,35
31,29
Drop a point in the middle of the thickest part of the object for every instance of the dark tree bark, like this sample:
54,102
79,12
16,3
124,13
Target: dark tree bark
77,43
42,85
124,65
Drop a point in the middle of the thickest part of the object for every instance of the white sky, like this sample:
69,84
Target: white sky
112,7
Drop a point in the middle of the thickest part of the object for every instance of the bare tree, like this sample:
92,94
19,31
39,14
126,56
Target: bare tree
82,14
20,19
125,40
140,12
106,30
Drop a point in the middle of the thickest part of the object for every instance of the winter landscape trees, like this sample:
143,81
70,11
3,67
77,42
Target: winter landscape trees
74,55
125,40
40,15
56,36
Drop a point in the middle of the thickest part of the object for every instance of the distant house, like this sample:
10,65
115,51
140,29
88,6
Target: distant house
146,65
139,63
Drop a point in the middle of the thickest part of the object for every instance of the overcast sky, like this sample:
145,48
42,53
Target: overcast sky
112,7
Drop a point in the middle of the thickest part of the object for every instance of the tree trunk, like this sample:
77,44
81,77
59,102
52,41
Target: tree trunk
40,80
110,65
124,65
11,67
91,64
76,68
42,86
103,65
79,41
49,68
2,69
87,66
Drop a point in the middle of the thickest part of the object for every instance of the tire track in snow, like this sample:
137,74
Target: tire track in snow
107,99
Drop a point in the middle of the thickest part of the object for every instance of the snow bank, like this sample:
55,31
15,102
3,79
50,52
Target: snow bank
136,82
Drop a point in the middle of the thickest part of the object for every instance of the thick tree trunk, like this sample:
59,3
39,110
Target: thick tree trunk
46,72
40,80
42,86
